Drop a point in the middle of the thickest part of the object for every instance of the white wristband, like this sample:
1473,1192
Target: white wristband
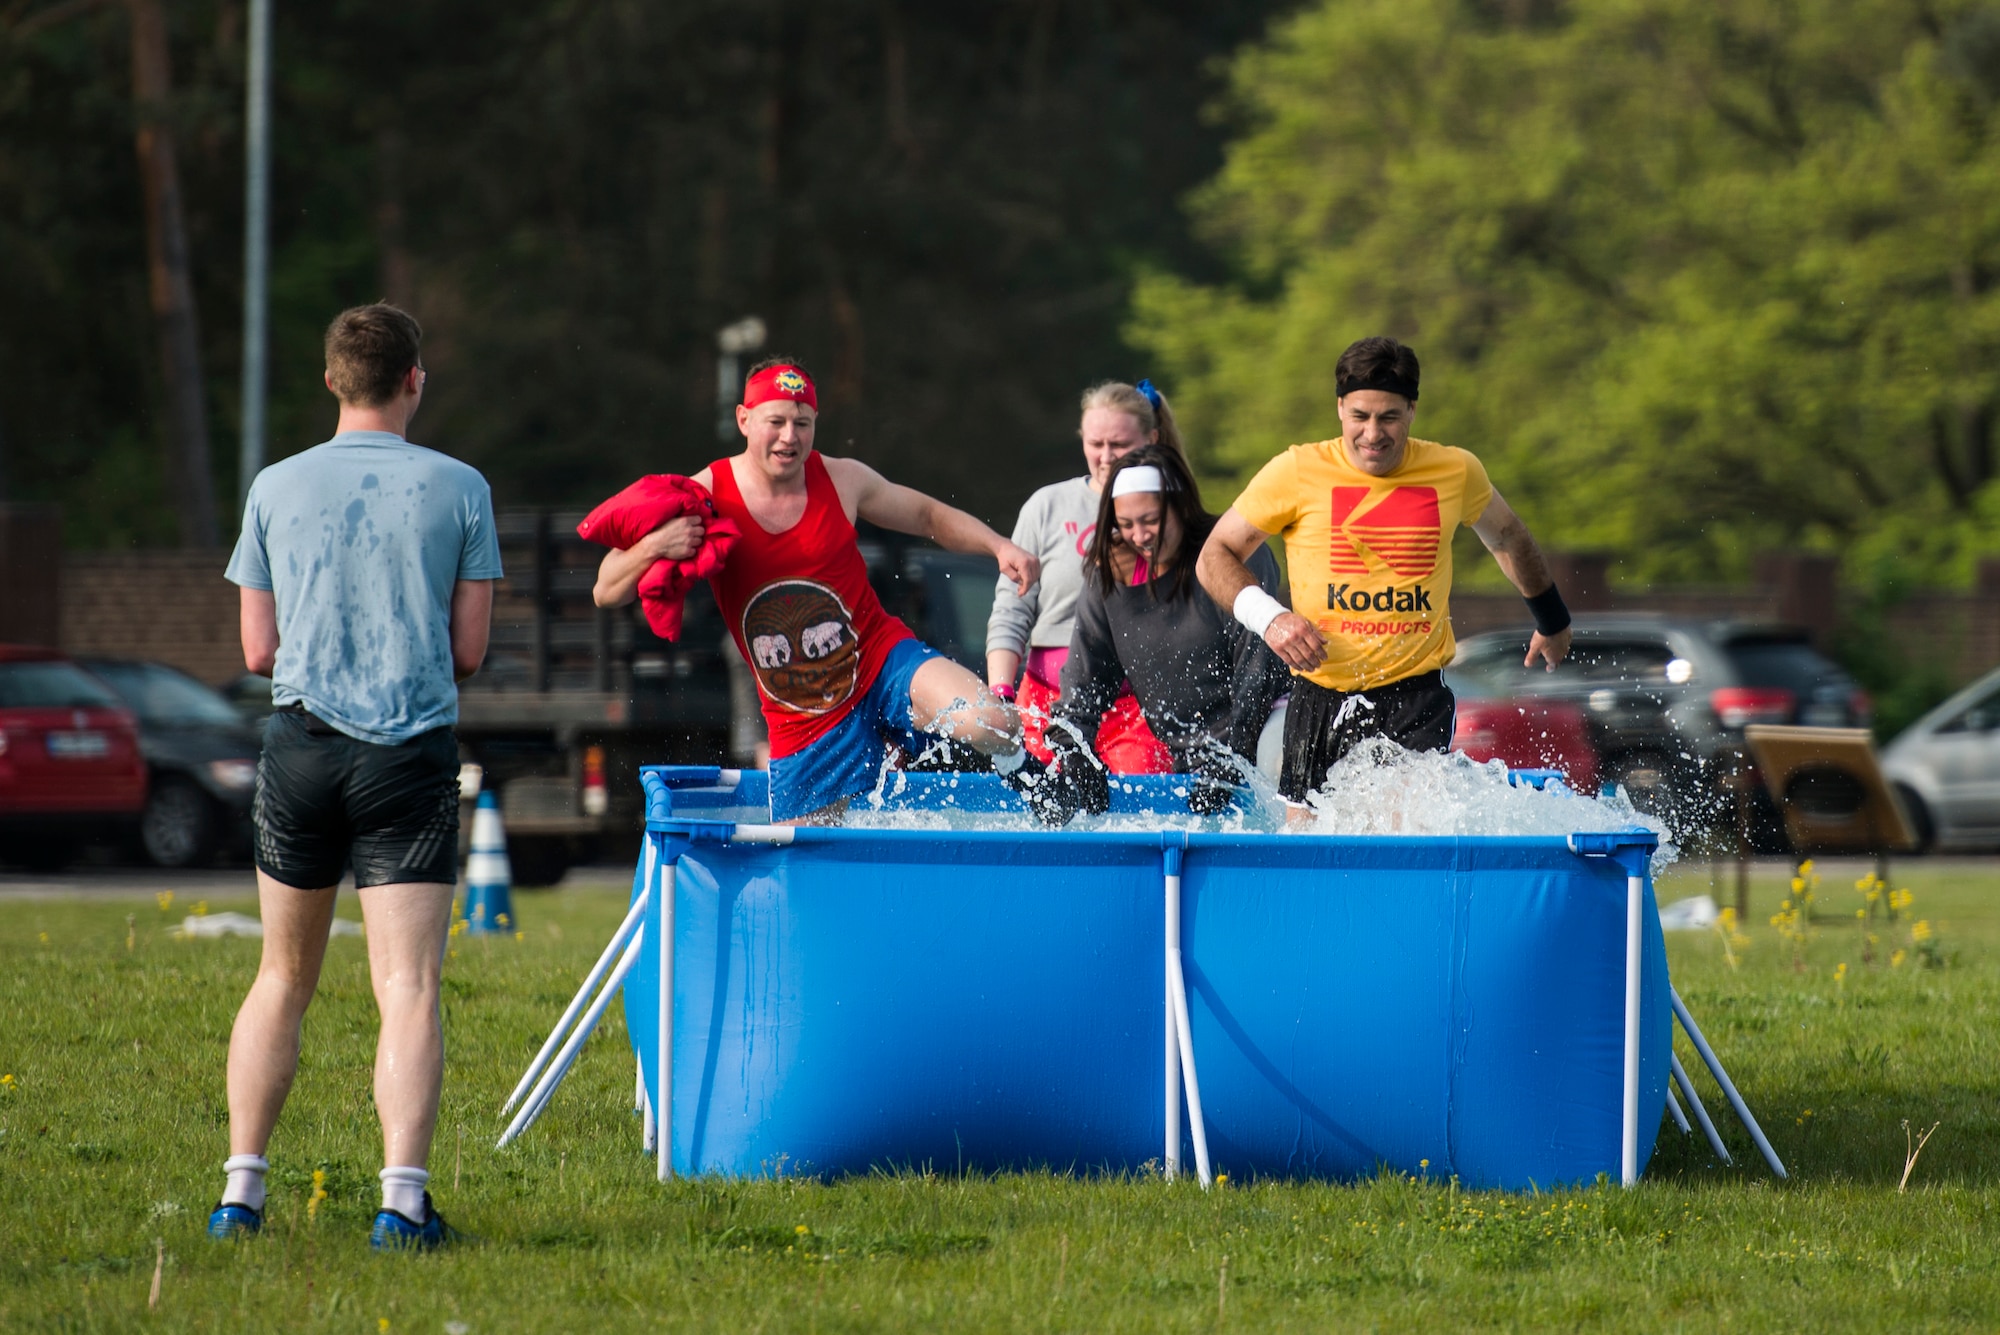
1257,609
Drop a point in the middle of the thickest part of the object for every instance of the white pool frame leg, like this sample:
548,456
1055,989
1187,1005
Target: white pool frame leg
1736,1102
663,1076
1172,1153
1635,910
1181,1049
645,1109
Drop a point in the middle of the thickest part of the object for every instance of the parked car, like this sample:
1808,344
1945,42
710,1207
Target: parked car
202,761
1667,701
250,696
1945,768
1526,733
70,763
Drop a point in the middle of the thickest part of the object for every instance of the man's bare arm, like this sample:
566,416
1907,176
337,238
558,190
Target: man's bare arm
471,625
1233,541
619,573
258,618
906,510
1520,560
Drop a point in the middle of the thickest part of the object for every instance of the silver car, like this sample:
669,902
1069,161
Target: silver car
1946,769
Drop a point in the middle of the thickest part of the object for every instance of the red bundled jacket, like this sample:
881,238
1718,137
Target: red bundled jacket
642,507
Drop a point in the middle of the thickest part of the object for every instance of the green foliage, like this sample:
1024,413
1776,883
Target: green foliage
112,1135
1696,282
938,207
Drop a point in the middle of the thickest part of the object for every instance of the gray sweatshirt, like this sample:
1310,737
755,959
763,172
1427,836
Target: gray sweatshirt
1198,673
1056,525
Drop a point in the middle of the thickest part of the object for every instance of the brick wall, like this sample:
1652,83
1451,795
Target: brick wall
171,606
175,606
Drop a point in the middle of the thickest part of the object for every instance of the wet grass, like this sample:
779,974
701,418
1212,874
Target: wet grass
111,1134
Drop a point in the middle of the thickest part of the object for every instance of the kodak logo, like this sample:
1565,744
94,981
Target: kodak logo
1347,598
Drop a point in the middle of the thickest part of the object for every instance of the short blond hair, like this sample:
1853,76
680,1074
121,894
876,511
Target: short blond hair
1151,414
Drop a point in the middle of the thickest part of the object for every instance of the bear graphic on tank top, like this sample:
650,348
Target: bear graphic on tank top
802,645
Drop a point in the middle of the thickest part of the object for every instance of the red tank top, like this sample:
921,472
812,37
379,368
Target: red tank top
802,610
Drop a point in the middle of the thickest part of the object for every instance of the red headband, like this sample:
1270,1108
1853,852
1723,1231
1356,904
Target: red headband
780,382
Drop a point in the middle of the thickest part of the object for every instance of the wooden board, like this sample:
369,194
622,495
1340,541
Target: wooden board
1830,789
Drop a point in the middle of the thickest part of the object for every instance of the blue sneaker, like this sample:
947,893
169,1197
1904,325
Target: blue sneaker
226,1223
396,1232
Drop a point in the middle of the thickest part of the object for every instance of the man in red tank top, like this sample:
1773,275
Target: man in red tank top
837,675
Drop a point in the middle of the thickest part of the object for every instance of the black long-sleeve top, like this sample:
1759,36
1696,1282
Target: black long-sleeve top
1200,676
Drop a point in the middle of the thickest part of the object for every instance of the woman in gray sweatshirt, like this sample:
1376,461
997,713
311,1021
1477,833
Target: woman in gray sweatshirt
1205,682
1027,636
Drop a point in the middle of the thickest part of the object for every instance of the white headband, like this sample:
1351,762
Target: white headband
1136,479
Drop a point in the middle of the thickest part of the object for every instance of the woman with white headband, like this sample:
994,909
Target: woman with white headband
1027,635
1205,682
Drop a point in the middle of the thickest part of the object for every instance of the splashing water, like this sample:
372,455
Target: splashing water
1380,788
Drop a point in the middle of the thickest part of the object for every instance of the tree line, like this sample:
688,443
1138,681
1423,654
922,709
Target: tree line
939,208
1697,281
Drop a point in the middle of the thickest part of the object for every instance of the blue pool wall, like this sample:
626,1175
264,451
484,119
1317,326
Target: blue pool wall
983,1000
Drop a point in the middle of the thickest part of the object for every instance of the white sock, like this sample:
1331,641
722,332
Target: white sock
1007,764
246,1180
403,1192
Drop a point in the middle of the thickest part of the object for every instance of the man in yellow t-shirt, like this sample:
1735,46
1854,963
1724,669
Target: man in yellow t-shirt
1368,521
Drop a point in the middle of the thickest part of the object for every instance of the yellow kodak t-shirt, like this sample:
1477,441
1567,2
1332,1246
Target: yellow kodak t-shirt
1370,557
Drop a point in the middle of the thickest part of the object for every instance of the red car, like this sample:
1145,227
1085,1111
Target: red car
70,765
1529,734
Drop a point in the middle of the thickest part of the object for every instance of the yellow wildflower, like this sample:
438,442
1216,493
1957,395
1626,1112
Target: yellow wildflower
165,899
1922,931
1896,960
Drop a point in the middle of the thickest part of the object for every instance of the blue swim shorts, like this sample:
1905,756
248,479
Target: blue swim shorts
846,761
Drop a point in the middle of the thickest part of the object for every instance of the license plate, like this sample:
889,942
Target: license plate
77,745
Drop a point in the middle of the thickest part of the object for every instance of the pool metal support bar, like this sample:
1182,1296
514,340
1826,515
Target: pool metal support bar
1635,937
1736,1102
1180,1037
1700,1112
1633,859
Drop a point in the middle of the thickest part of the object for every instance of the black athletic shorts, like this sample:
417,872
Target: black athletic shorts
1416,712
327,801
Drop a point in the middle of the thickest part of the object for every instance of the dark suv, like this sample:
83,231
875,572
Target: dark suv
1668,701
201,758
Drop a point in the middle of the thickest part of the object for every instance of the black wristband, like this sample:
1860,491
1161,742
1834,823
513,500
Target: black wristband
1550,613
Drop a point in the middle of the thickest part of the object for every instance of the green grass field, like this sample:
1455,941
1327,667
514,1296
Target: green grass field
112,1132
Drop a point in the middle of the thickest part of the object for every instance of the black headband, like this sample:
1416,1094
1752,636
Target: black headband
1386,381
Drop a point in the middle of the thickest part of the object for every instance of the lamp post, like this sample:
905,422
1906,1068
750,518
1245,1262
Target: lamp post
256,243
731,343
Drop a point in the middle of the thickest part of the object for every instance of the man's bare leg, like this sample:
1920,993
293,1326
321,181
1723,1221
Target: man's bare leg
264,1044
408,926
950,701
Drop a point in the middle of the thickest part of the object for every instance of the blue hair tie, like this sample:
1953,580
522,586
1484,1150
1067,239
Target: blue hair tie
1152,395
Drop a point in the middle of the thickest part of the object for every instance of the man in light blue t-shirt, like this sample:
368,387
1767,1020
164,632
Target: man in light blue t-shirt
367,567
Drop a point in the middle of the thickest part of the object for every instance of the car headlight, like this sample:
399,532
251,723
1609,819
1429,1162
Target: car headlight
236,774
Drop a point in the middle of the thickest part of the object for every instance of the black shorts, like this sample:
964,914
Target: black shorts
1416,713
326,801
